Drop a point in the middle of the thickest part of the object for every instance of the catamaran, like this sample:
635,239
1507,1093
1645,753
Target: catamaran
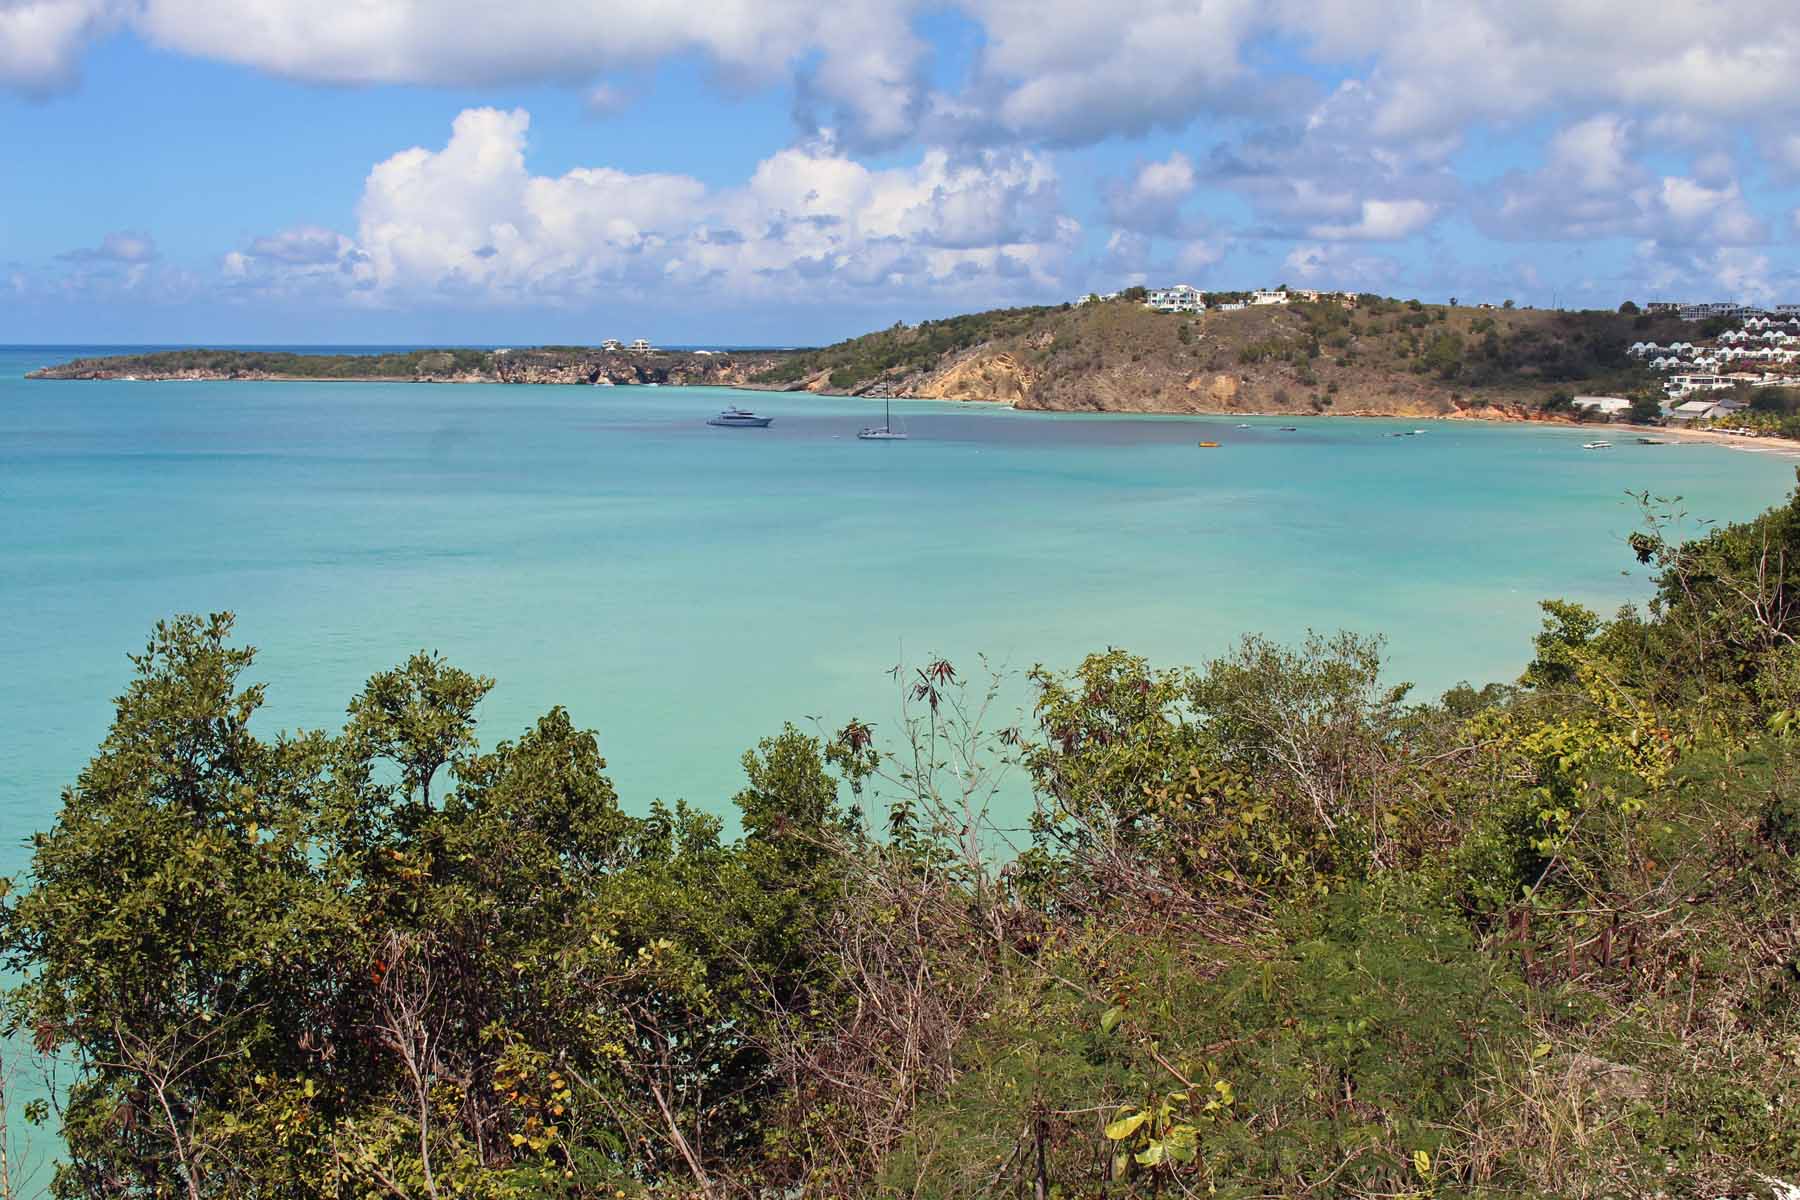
887,432
740,418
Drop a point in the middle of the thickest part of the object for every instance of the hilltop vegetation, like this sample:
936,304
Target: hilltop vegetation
903,350
536,365
1276,927
1383,356
251,364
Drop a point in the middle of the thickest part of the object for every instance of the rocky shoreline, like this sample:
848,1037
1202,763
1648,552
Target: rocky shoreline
536,366
971,379
1058,363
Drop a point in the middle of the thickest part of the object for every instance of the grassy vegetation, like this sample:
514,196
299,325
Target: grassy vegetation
1118,354
298,366
904,348
1276,927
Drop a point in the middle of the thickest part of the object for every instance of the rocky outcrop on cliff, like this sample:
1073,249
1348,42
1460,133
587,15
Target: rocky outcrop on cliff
992,376
590,367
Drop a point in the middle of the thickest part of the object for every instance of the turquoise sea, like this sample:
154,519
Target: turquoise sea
684,589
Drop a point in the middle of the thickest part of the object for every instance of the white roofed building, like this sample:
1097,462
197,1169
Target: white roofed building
1179,298
1608,406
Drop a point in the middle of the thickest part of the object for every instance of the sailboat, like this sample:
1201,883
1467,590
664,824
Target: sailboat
887,432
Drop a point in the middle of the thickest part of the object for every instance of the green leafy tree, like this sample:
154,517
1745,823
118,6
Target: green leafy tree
419,716
178,916
1645,409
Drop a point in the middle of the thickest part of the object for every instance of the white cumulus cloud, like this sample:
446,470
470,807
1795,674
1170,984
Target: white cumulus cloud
1380,221
1151,200
469,223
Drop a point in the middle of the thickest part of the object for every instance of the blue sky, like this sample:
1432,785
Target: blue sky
448,171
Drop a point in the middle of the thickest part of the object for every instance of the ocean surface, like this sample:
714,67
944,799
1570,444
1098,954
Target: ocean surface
684,589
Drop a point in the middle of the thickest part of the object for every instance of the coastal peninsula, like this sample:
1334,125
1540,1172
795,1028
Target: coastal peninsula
1361,356
542,365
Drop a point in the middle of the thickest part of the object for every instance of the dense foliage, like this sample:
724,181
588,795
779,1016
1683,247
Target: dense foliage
1276,928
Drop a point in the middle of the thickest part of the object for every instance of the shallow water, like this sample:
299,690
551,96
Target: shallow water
685,589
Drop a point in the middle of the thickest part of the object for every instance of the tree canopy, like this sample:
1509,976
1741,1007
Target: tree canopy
1275,926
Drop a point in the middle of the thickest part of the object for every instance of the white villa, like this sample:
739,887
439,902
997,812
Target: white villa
1266,296
640,346
1177,299
613,345
1606,406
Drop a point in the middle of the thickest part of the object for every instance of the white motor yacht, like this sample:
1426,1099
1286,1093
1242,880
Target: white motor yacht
740,418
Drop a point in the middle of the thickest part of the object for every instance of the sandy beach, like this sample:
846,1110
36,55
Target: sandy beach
1756,445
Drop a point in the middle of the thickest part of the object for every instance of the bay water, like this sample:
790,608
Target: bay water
685,589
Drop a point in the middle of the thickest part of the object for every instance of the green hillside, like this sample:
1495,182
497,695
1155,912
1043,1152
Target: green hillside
1298,357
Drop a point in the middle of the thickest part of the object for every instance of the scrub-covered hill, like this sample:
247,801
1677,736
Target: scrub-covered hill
1381,357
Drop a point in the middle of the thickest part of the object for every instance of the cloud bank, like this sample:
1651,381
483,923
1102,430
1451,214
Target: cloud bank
469,223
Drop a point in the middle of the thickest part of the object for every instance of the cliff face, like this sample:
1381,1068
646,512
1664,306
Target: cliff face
591,366
993,376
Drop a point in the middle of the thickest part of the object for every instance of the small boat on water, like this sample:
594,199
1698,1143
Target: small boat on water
1596,445
1651,442
739,418
886,431
1245,425
1209,445
1289,429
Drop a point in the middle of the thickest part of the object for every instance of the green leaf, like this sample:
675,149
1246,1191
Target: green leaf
1109,1020
1124,1127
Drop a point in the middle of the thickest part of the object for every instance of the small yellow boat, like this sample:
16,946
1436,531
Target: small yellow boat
1209,445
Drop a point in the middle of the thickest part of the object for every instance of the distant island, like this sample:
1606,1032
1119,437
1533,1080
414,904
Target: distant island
1305,353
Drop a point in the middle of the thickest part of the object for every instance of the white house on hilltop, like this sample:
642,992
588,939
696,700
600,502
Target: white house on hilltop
1269,297
1180,298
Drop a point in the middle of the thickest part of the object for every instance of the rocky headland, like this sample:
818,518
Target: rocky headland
1381,357
542,365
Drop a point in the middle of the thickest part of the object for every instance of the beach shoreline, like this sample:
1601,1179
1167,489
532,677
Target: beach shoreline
1736,441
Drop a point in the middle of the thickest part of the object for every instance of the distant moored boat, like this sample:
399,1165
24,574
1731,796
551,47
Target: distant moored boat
740,418
886,431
